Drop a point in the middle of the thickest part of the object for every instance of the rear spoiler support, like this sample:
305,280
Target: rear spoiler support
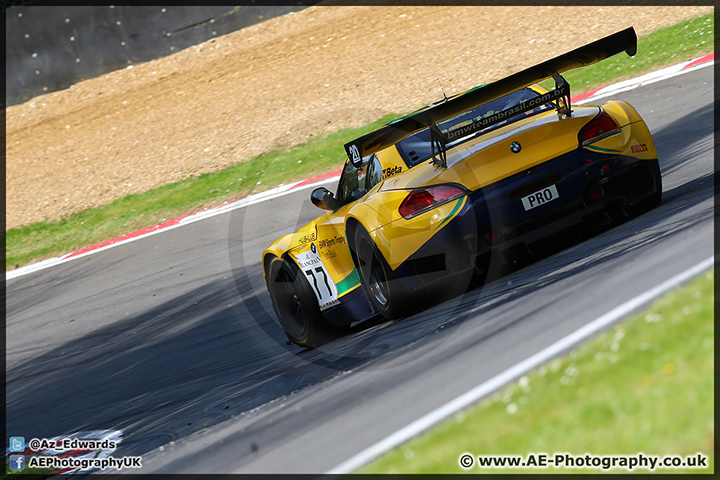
563,104
437,139
561,95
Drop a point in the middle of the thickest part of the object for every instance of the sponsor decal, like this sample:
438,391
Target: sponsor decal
308,237
331,242
540,197
391,171
329,246
639,148
318,277
510,112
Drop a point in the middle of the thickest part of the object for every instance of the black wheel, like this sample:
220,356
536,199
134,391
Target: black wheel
296,306
381,286
653,180
650,202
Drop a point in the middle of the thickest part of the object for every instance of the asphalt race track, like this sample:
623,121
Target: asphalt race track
171,338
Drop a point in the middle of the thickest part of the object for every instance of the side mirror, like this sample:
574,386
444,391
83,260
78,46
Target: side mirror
323,198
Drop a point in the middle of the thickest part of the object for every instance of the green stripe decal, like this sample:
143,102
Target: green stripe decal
602,150
348,283
454,210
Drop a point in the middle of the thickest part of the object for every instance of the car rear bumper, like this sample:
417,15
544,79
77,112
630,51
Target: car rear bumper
594,190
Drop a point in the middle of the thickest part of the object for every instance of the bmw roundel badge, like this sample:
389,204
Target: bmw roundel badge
515,147
312,248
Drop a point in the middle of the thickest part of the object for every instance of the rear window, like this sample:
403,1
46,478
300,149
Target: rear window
416,148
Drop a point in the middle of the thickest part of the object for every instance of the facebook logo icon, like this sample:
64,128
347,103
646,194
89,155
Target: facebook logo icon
17,462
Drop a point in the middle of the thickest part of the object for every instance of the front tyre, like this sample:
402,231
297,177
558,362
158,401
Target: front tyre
296,306
381,286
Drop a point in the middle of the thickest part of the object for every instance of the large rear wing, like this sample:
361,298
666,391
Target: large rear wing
430,116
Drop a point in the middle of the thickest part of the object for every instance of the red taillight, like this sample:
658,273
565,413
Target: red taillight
602,126
422,199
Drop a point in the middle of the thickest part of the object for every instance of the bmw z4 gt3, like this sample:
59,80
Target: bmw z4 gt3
425,201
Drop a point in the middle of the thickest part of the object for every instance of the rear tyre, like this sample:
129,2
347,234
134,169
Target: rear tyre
381,285
296,306
654,181
650,202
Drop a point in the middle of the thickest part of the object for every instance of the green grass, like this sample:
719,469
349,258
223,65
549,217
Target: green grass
322,153
645,386
46,239
663,47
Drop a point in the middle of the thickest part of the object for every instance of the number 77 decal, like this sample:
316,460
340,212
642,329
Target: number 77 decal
325,277
319,279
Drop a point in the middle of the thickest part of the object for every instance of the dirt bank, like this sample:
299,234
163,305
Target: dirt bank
273,84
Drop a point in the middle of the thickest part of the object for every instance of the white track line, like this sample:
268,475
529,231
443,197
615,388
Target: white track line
472,396
646,79
244,202
286,189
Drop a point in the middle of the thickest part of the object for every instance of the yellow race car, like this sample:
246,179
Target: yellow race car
424,202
